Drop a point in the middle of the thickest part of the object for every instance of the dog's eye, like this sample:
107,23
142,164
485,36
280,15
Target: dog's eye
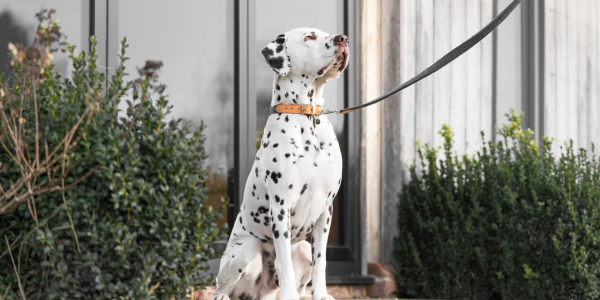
309,37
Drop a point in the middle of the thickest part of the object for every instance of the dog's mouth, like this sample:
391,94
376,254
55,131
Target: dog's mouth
343,58
340,59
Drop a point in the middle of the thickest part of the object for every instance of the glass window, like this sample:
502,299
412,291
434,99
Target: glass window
276,17
18,25
193,40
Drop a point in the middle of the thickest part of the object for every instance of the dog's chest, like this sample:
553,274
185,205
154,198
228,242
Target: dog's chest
310,156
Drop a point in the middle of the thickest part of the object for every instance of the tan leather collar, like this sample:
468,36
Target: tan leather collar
301,109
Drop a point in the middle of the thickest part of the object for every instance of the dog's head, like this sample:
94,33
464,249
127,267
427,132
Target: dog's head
308,51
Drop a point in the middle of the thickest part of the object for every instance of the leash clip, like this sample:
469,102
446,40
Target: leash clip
327,111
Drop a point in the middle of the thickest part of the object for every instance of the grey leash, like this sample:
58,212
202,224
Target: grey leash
448,58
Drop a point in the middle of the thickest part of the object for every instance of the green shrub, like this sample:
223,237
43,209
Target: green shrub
137,227
512,222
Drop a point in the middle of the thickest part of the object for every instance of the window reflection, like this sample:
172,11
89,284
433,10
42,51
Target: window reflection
18,25
193,41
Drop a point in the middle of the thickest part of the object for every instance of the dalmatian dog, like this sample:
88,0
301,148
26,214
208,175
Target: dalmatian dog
295,177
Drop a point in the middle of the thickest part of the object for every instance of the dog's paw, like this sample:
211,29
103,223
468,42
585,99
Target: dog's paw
326,297
219,297
292,295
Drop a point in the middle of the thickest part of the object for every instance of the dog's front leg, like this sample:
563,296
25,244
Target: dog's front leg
283,249
320,235
279,189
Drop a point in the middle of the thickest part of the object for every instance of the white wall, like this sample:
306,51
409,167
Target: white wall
571,94
508,64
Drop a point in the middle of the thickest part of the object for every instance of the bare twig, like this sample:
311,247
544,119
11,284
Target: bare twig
6,148
42,222
30,210
70,219
37,126
47,161
47,167
34,214
32,62
52,188
15,268
58,162
15,141
21,116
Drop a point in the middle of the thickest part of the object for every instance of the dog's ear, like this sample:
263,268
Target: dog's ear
276,55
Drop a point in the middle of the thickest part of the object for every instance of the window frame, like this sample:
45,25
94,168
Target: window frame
345,261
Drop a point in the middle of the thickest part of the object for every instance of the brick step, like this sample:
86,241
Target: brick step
384,286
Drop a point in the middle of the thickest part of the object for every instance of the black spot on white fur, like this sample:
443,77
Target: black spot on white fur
303,189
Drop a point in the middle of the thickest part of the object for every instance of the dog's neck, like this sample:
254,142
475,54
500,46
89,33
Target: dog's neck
298,89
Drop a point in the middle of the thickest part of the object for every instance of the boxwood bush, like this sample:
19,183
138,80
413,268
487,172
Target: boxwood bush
511,222
138,227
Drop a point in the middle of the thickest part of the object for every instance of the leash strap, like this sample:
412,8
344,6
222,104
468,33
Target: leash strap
448,58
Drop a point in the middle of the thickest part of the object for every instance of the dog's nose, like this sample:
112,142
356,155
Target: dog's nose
340,40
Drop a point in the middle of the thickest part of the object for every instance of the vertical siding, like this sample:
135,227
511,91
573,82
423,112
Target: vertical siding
424,58
582,83
562,91
571,102
371,128
459,95
441,80
398,126
458,79
550,70
473,68
487,76
407,97
391,128
594,131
